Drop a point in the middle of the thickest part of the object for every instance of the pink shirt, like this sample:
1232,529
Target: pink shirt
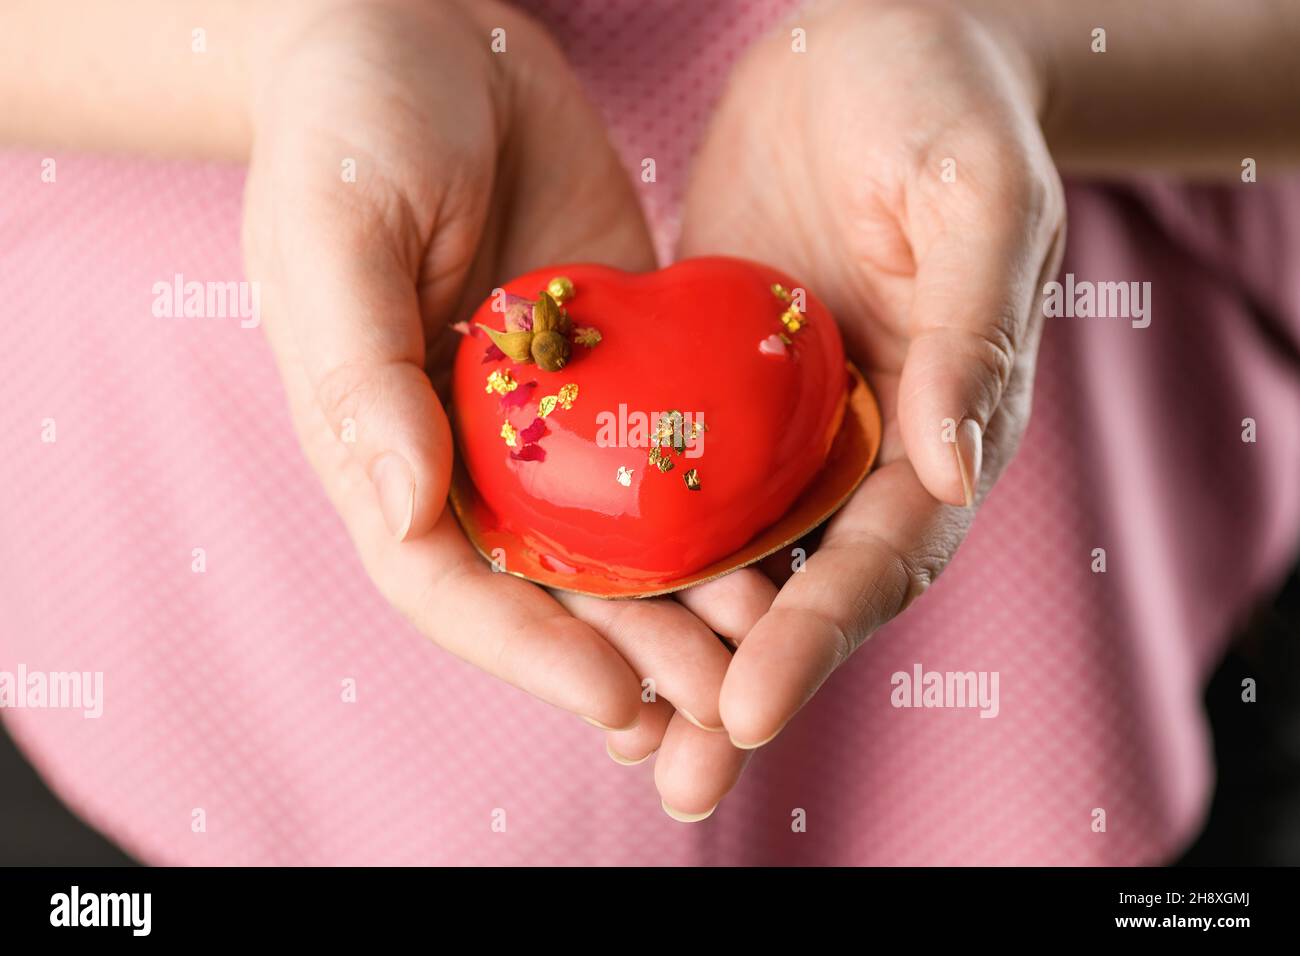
223,690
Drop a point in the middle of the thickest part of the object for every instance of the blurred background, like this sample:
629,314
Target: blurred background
1254,819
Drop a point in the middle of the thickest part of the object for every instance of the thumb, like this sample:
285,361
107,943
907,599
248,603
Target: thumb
968,329
354,309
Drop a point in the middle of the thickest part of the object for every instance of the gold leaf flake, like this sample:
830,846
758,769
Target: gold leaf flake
793,319
560,289
501,381
624,475
780,292
509,434
660,460
547,405
586,335
567,396
692,479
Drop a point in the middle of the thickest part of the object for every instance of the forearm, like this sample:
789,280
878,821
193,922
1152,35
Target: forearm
1186,85
164,76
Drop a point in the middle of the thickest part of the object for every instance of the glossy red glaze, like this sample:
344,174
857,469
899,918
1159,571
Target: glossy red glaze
688,338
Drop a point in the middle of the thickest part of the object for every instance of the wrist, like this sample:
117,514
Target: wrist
307,45
1005,26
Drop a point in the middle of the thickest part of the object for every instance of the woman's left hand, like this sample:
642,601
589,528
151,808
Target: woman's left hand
897,167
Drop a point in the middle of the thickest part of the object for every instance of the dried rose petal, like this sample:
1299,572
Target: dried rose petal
493,354
519,313
533,432
529,453
517,397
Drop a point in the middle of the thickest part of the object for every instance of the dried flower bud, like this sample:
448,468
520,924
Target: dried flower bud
514,344
550,350
518,313
546,314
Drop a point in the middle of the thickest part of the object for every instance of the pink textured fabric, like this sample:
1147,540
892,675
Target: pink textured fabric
223,689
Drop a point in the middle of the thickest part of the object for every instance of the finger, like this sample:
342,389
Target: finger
972,305
878,554
778,567
731,604
501,624
695,770
666,644
631,747
353,307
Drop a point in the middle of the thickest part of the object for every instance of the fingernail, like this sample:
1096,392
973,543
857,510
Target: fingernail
617,757
596,723
742,746
969,449
702,726
681,817
395,484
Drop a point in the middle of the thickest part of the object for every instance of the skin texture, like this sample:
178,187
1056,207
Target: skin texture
456,187
827,164
852,197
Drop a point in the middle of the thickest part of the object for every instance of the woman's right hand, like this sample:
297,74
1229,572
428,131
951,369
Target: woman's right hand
471,166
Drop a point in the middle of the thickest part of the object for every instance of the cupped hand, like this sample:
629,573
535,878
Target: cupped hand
401,169
897,167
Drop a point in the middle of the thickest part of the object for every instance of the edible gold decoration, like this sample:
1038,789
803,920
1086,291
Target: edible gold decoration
793,319
670,432
568,394
587,336
509,434
781,292
624,476
501,382
560,289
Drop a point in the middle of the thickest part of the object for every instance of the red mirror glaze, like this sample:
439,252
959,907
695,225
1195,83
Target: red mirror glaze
704,337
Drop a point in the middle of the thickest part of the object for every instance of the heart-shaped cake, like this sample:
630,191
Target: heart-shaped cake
627,434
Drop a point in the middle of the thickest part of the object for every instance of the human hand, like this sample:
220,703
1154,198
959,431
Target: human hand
470,166
897,167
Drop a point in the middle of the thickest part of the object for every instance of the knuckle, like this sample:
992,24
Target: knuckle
918,572
995,348
907,576
344,392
